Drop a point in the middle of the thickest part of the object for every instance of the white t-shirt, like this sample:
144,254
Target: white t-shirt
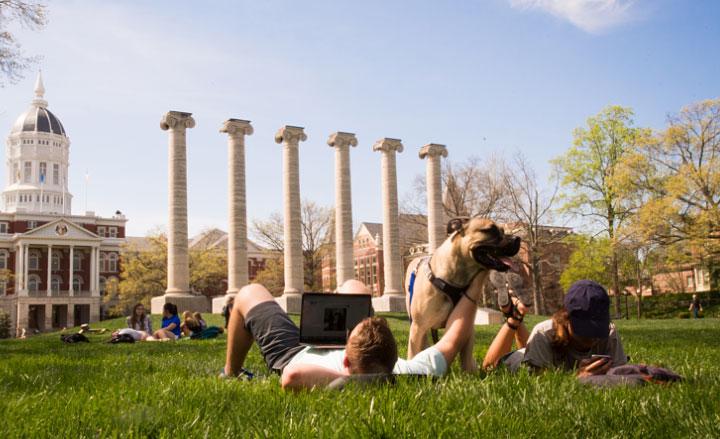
137,335
428,362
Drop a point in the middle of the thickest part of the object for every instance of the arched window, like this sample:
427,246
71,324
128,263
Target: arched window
77,283
3,259
102,281
55,284
112,262
33,283
34,260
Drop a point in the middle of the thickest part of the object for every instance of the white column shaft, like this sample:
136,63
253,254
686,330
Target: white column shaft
26,263
71,278
293,257
343,216
237,233
391,230
436,232
49,271
93,272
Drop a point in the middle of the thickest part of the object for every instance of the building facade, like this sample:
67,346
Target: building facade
53,265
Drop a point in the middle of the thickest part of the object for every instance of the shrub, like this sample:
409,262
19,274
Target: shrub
4,324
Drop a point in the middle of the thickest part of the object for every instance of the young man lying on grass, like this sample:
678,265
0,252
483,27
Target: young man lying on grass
370,349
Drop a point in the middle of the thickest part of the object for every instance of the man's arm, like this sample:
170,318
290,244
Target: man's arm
307,376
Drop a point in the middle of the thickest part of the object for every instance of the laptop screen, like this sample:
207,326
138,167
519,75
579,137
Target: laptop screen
329,318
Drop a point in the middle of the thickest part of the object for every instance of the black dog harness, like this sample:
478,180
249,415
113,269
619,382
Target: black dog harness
453,292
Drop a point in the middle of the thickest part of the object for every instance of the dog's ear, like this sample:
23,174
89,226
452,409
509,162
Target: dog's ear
456,225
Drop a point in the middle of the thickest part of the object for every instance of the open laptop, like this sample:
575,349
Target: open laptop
326,320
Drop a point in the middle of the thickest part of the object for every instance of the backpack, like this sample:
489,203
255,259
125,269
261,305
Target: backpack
74,338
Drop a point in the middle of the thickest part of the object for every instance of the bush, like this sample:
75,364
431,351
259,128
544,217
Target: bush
675,305
4,324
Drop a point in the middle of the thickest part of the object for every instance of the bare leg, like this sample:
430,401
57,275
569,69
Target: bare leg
417,341
239,338
502,343
466,355
521,336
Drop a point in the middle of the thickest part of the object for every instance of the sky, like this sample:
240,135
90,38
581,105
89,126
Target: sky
484,77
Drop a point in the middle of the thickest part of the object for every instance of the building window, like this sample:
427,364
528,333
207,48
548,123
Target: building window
112,232
103,262
56,173
102,282
3,227
77,261
112,260
77,283
690,282
55,284
27,178
101,231
33,283
3,259
31,224
43,172
55,266
34,260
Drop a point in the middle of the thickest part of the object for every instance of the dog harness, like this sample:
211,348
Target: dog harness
454,293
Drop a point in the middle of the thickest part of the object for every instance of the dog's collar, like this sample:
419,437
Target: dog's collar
453,292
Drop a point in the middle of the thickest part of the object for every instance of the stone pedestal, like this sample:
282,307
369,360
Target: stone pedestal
344,263
487,316
389,303
184,302
290,137
291,303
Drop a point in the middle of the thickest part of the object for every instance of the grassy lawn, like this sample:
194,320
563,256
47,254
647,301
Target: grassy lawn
49,389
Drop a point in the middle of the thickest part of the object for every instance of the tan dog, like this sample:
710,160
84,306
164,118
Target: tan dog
475,246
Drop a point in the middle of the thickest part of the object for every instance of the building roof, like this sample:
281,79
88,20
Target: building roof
37,118
413,229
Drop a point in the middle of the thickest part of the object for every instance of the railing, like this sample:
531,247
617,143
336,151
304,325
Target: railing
58,293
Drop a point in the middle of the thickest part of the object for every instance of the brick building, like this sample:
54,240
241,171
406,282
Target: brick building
53,265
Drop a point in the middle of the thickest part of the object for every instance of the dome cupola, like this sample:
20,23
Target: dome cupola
38,118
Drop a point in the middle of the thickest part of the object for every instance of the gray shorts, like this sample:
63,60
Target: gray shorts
276,335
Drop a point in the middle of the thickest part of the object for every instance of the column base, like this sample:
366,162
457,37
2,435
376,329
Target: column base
487,316
389,303
185,302
218,303
291,303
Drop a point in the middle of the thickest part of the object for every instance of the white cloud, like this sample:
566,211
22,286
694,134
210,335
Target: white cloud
589,15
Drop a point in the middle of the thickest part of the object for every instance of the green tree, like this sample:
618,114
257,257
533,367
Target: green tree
4,325
272,276
590,259
592,189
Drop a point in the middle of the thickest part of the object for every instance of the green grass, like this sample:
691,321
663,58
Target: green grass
49,389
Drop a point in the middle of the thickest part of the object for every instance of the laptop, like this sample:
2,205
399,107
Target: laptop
326,319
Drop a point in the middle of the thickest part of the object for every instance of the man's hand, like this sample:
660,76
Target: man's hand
590,367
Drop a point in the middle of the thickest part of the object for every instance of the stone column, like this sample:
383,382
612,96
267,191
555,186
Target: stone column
93,273
49,271
343,206
178,277
71,288
436,230
26,264
393,298
236,129
290,137
19,269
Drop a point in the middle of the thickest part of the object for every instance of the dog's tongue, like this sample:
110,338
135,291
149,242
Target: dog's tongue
508,262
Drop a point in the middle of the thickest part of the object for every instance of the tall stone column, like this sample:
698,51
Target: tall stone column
290,137
236,129
178,276
393,298
436,230
343,206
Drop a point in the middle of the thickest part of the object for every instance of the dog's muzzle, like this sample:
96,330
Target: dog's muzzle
497,257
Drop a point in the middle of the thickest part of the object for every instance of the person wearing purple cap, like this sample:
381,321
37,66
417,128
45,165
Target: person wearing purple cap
578,337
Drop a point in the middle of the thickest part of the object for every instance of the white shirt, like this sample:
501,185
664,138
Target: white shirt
428,362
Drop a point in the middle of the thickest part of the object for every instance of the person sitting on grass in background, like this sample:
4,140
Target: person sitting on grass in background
134,333
695,306
198,318
170,328
370,349
139,321
578,331
189,325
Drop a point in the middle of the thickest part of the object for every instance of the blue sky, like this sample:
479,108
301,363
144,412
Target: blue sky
483,77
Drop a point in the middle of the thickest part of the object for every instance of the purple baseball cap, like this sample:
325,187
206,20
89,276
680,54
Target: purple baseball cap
589,306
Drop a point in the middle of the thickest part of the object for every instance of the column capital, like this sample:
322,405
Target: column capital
341,139
237,127
176,119
433,150
388,144
290,135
